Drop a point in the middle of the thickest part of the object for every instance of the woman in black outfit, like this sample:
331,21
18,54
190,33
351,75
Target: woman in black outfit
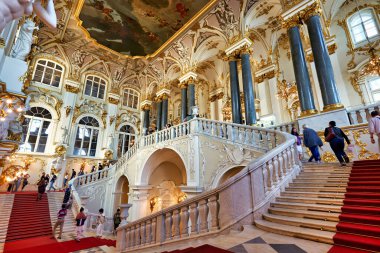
337,142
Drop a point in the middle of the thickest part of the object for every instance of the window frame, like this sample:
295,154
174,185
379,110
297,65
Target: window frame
351,35
41,83
125,135
131,93
371,92
91,128
92,85
27,135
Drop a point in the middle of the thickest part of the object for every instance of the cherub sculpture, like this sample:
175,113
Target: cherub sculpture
14,9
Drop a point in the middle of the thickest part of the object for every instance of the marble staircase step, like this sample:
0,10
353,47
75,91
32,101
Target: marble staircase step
303,213
310,207
299,232
325,195
316,189
301,199
302,222
320,180
326,184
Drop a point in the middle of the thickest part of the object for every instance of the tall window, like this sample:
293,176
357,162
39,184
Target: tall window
374,87
362,25
87,137
131,98
36,128
127,137
95,87
48,72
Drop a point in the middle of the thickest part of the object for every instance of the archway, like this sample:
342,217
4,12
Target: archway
121,192
229,173
164,172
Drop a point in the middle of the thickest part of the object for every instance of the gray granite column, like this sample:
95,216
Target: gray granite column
235,93
159,115
191,90
183,103
301,73
146,121
249,97
323,65
164,117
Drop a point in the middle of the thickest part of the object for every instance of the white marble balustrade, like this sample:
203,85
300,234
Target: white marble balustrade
361,114
237,200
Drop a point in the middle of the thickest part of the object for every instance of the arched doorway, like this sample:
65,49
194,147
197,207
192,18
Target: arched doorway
230,173
121,192
164,172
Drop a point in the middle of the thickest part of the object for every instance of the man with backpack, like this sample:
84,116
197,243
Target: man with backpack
52,181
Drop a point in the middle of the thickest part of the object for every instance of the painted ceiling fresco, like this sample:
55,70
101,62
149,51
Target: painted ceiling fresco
136,27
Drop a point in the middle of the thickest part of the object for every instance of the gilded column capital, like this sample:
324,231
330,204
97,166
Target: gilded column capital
246,49
220,95
146,107
292,22
212,98
312,10
182,85
113,100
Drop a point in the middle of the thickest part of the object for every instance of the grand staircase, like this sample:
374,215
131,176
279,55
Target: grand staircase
330,204
55,204
6,203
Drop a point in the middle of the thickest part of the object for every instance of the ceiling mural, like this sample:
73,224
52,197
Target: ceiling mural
136,27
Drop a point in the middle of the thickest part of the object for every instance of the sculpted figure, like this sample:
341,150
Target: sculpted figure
23,44
14,9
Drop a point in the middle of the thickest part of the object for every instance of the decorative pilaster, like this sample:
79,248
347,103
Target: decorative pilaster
301,72
325,73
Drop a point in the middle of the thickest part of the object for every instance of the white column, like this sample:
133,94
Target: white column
213,110
139,199
219,113
316,88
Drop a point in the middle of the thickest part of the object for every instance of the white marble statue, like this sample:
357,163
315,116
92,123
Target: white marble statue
14,9
24,41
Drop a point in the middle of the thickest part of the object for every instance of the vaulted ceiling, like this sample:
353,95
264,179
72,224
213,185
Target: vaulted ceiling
137,27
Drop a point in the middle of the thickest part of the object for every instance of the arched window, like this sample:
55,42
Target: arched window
362,25
36,129
127,137
374,88
95,87
86,138
131,98
48,72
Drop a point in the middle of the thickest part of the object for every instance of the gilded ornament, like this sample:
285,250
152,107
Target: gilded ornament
108,154
112,119
294,21
112,100
332,107
310,11
68,110
71,89
60,150
212,98
332,48
146,107
355,84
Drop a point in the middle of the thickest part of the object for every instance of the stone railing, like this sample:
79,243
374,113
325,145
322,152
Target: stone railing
236,201
285,127
361,114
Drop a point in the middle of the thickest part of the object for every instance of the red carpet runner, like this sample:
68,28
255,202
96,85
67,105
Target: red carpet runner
47,245
29,218
359,226
201,249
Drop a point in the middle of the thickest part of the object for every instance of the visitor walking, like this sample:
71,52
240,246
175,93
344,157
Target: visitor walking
73,174
298,142
25,181
52,181
17,183
60,221
100,168
80,219
312,141
41,188
65,179
374,128
335,136
116,220
100,220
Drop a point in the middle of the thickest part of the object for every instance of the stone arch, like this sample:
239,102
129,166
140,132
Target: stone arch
121,192
226,174
162,156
